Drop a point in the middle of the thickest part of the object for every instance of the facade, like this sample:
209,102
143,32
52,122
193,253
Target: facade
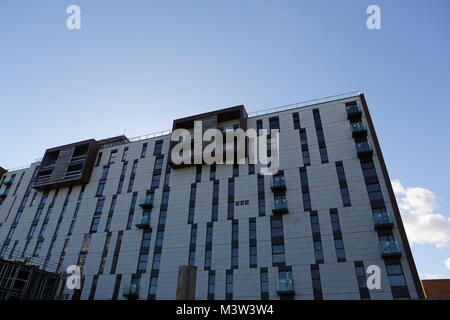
129,218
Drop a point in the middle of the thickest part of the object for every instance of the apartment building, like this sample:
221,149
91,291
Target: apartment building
123,212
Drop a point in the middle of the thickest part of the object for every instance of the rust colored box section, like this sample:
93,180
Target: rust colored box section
219,119
437,288
66,165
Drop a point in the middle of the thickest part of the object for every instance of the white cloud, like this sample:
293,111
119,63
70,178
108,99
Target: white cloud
447,263
423,226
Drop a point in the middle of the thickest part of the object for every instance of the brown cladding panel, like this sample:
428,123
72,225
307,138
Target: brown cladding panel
232,113
56,161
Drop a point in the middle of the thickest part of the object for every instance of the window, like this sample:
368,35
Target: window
211,285
320,136
112,156
317,286
37,249
235,170
305,148
85,243
264,279
209,233
125,154
122,177
131,211
144,150
317,242
343,184
192,245
100,204
252,241
198,174
111,212
212,172
100,189
229,285
230,208
156,180
159,238
274,123
158,147
165,197
208,254
305,189
159,163
105,172
153,287
277,240
99,158
95,223
253,257
338,242
132,176
116,252
156,261
261,196
235,257
296,120
362,280
397,281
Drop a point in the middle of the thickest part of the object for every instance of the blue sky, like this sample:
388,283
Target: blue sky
136,65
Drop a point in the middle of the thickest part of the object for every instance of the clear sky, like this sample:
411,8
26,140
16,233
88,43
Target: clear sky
136,65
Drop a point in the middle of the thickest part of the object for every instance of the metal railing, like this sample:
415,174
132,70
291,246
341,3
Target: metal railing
150,136
304,103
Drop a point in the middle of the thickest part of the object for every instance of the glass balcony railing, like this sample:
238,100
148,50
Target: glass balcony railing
358,128
131,291
285,286
8,181
143,222
146,202
383,220
390,248
280,206
278,183
353,111
364,148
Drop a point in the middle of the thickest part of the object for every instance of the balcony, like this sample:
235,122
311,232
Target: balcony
77,160
390,249
285,286
279,206
3,193
146,202
383,220
8,181
358,129
278,184
353,112
66,165
131,291
143,222
364,149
